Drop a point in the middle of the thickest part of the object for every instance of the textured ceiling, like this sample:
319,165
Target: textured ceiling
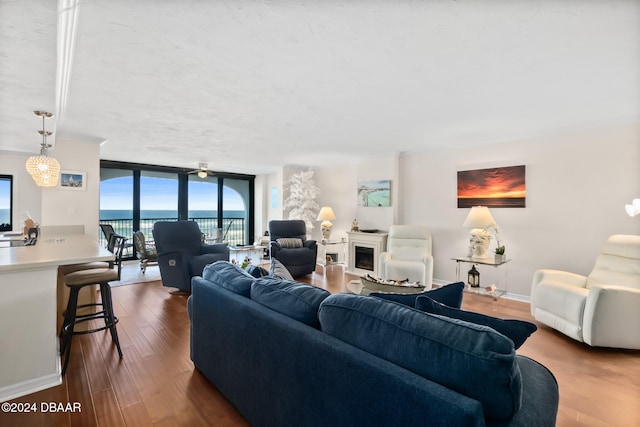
248,86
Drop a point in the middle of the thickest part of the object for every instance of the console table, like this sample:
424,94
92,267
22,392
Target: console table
481,290
249,250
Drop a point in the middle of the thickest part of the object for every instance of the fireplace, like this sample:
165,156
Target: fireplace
364,257
364,252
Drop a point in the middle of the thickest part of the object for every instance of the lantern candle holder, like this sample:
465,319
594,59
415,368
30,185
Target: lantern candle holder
473,277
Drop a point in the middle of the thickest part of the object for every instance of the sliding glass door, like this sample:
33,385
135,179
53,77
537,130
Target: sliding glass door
133,197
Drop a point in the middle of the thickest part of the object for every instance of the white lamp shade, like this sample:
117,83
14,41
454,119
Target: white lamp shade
634,208
479,217
326,214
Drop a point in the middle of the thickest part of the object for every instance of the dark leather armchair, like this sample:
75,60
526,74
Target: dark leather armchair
181,254
299,260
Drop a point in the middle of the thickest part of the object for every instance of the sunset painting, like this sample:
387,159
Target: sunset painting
496,187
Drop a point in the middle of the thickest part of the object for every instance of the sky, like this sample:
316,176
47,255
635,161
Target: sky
4,194
162,194
492,183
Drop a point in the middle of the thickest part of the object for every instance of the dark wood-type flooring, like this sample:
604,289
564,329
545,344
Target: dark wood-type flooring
156,384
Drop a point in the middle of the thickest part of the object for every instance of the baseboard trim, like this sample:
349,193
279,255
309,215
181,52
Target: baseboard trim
30,386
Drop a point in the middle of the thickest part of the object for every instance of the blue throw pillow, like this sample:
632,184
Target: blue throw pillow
516,330
229,276
293,299
257,271
471,359
450,295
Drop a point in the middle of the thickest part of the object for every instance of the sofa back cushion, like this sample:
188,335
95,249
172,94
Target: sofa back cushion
229,276
473,360
293,299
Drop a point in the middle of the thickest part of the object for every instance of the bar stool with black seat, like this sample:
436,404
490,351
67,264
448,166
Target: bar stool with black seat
77,280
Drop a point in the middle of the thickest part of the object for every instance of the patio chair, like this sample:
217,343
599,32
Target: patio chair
145,251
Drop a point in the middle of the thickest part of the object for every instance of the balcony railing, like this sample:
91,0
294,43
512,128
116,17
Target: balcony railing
232,229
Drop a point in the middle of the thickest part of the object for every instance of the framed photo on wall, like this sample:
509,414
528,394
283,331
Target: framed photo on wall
73,180
495,187
374,193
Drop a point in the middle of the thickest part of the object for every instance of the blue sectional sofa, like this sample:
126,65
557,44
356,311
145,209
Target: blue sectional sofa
285,353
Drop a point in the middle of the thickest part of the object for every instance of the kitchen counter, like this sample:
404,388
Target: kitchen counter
29,306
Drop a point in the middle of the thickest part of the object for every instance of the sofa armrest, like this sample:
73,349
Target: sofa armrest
560,277
384,258
611,317
215,248
311,244
551,278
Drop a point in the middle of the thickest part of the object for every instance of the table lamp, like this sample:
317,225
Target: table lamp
633,209
479,219
326,215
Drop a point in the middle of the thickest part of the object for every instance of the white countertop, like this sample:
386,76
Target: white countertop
53,251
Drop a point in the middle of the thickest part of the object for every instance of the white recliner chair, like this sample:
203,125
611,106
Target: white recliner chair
408,255
602,309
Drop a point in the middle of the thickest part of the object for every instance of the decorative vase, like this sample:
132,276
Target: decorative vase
499,258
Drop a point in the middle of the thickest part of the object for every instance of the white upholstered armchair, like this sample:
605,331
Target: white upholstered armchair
602,309
408,255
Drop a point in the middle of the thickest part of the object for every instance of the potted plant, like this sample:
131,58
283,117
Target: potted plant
500,257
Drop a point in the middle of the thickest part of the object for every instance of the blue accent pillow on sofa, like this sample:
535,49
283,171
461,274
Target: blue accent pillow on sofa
516,330
257,271
473,360
229,276
293,299
450,295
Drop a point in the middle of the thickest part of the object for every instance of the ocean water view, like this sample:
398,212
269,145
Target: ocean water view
232,232
492,202
4,216
111,214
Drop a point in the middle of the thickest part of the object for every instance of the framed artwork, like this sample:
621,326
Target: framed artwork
73,180
374,193
496,187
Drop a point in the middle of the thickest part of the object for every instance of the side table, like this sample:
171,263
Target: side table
249,250
482,289
331,252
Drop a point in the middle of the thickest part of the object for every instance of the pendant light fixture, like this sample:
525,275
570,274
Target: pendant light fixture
44,170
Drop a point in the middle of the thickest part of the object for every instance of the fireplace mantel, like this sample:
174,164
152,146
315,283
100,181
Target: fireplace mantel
361,245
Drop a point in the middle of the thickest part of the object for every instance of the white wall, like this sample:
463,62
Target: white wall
577,185
26,194
71,207
337,190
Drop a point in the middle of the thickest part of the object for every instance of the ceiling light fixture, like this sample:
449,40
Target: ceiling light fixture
44,170
202,173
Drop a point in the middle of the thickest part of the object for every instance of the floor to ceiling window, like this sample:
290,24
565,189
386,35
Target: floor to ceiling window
158,199
203,205
116,201
134,196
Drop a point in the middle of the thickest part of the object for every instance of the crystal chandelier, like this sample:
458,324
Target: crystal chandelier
44,170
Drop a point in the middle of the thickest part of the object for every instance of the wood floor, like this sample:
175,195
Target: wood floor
155,383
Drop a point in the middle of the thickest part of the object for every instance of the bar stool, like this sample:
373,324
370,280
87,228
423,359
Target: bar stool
77,280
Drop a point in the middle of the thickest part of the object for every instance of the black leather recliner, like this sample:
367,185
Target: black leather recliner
181,253
298,260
